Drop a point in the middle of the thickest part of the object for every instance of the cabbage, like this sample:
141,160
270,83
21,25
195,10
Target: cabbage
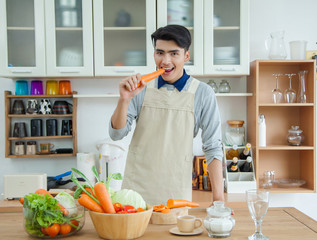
129,197
68,202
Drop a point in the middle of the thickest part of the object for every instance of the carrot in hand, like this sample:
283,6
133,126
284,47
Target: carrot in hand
104,197
89,203
176,203
151,76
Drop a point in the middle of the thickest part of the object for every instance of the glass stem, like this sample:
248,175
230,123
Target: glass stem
258,227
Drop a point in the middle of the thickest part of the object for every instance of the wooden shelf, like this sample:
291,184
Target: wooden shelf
39,115
289,190
42,155
285,147
39,138
40,96
286,105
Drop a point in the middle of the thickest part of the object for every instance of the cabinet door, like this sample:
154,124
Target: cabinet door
188,13
226,37
22,42
122,37
69,45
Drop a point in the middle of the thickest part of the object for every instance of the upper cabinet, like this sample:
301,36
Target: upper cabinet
122,36
46,38
220,33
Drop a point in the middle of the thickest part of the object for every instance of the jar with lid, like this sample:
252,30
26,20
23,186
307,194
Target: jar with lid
295,136
235,133
19,148
219,222
268,179
213,85
31,148
224,87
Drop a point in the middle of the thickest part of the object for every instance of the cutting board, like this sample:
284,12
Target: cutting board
168,218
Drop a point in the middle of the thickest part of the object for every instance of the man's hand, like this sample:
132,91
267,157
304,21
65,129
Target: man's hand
128,87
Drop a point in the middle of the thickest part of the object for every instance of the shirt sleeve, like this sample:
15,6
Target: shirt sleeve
208,119
133,113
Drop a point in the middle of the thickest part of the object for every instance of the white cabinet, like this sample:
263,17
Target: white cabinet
220,33
122,36
46,38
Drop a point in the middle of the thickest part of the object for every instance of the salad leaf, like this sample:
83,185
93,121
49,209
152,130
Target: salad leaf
129,197
67,201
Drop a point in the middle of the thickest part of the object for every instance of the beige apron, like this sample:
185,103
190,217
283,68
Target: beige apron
159,162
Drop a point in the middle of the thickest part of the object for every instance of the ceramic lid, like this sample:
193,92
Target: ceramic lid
219,210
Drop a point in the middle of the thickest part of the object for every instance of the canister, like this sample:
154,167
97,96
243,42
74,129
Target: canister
31,148
19,148
235,133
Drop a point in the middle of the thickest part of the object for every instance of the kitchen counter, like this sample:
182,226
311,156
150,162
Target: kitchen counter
279,224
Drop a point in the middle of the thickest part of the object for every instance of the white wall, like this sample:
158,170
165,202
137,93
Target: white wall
297,18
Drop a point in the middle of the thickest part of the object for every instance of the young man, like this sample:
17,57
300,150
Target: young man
169,112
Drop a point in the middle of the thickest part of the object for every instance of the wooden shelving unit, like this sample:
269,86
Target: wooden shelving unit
288,162
9,118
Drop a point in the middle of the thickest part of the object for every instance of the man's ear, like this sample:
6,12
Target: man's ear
187,56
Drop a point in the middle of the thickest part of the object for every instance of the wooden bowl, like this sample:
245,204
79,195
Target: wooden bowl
121,226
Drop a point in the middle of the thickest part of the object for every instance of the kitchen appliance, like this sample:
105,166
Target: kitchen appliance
67,127
21,87
37,87
18,107
18,185
19,130
36,128
51,127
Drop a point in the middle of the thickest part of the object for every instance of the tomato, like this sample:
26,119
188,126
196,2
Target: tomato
129,209
140,209
74,222
117,206
53,230
122,212
43,230
65,228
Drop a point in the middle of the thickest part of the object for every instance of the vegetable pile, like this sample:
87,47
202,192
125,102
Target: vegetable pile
101,198
46,215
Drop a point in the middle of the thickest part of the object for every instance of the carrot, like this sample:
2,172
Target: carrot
43,192
176,203
166,210
89,203
151,76
89,190
21,200
104,197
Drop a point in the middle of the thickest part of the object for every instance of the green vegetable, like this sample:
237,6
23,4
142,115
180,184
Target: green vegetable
67,201
129,197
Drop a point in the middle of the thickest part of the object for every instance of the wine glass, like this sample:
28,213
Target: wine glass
258,204
277,93
290,94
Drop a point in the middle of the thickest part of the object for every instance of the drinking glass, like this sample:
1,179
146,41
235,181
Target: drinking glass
290,94
258,204
277,93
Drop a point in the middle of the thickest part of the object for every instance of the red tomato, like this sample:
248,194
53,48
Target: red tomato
122,212
140,209
129,209
117,206
65,228
53,230
43,230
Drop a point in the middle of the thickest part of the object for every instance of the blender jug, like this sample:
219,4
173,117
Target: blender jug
277,47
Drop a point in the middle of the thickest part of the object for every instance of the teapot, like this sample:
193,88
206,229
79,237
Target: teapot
277,47
219,222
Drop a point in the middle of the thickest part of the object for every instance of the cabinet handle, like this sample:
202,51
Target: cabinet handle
125,70
21,71
69,71
226,69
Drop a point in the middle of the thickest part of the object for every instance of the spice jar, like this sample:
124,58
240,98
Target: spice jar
19,148
235,133
31,148
219,222
224,87
213,85
295,136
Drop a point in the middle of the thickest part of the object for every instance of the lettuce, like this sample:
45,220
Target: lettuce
129,197
67,201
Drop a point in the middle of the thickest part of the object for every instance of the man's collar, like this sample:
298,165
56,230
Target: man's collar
179,84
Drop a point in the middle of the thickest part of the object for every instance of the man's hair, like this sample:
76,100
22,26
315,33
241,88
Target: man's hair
177,33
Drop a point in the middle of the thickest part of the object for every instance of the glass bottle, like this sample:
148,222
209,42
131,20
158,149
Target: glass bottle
213,85
246,152
247,165
233,166
302,97
295,136
232,152
224,87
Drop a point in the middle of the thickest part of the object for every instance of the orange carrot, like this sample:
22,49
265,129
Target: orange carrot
43,192
167,210
88,189
151,76
89,203
104,197
21,200
176,203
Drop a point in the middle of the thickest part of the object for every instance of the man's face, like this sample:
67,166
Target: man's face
171,57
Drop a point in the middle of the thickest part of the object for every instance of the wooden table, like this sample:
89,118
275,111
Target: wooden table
279,224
